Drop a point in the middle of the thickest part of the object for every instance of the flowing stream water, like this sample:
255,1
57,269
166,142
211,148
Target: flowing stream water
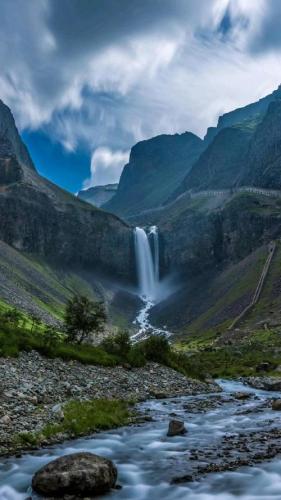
147,459
147,263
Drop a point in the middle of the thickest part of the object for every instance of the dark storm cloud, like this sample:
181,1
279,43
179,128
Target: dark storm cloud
268,36
81,25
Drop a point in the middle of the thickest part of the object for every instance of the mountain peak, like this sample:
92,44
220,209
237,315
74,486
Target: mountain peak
10,140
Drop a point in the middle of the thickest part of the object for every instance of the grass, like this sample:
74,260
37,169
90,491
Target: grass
114,351
81,418
241,359
14,340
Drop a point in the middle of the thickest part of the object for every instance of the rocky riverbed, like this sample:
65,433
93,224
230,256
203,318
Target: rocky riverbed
33,390
232,448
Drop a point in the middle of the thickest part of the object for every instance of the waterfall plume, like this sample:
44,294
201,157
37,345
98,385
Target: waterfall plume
147,268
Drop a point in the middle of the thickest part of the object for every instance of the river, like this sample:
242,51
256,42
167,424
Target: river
148,460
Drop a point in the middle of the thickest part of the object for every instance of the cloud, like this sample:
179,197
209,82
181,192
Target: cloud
103,75
106,166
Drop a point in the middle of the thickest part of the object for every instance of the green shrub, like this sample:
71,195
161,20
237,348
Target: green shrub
156,348
119,345
136,357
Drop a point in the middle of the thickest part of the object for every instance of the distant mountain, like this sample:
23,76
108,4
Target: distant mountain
244,149
156,168
164,167
251,113
39,218
98,195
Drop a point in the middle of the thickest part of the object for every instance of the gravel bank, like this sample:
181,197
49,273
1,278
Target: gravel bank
33,388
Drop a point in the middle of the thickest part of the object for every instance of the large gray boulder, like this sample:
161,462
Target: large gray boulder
79,475
176,428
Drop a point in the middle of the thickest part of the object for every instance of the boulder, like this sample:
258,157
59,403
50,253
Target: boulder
176,428
242,395
78,475
276,404
265,383
265,367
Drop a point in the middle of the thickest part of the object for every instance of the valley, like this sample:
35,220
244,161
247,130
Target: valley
187,268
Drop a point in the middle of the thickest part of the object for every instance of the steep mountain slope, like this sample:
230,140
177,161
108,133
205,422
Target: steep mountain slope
264,156
222,165
156,168
253,112
98,195
218,246
243,139
32,284
39,218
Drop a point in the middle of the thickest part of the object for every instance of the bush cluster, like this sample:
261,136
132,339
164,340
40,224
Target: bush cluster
19,332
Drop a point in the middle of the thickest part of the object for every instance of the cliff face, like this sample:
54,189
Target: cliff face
10,141
264,157
245,142
98,195
253,112
156,168
39,218
197,240
222,165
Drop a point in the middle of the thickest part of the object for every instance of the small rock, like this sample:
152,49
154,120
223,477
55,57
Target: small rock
5,420
242,395
176,428
182,479
78,475
276,405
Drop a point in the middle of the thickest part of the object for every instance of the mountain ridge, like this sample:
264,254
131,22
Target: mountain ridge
40,218
155,169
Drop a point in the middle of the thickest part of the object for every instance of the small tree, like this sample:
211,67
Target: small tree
50,336
35,322
119,344
83,316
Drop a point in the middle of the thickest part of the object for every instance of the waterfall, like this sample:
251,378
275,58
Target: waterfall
145,265
147,262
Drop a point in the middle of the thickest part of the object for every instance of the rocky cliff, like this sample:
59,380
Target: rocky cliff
264,155
222,164
156,168
217,246
98,195
253,113
39,218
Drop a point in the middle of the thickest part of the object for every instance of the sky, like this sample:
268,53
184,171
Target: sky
87,79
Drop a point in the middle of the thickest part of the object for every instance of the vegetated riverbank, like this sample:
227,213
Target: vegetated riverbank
34,390
247,354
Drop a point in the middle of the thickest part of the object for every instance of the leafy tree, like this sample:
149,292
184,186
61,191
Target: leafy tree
82,317
119,344
156,348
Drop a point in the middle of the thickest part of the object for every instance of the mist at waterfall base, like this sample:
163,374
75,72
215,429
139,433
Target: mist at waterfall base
151,289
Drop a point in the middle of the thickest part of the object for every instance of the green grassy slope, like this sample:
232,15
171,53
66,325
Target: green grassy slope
209,303
35,286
